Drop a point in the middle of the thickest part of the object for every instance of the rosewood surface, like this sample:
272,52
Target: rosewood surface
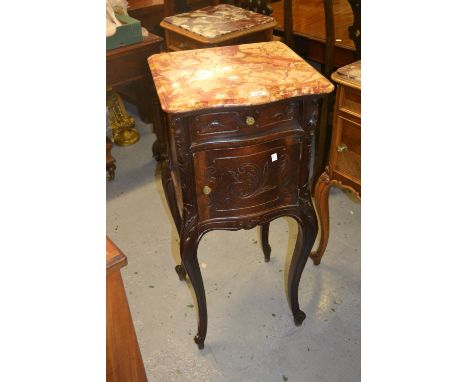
238,149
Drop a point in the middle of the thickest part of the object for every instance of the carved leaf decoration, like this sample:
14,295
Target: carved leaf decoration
246,181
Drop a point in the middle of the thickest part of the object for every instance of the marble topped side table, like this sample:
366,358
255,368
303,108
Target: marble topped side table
218,25
344,166
238,127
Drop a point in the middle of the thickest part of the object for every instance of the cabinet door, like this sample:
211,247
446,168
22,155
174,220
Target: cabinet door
346,155
241,181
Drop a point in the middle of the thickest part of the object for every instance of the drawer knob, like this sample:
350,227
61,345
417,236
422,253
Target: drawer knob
341,148
250,121
183,46
207,190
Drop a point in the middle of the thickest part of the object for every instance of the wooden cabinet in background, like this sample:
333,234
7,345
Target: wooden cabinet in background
123,361
344,167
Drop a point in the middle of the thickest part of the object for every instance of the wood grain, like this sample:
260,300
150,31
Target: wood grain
235,176
123,361
309,20
344,167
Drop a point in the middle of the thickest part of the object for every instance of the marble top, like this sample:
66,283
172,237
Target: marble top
238,75
219,20
351,74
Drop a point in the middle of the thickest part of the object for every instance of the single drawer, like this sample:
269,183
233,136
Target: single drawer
234,182
176,42
246,122
350,100
346,156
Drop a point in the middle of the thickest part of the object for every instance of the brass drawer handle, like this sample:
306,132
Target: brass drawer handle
207,190
341,148
183,46
250,121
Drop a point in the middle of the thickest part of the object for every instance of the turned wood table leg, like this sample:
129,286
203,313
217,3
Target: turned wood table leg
188,248
321,193
110,160
264,229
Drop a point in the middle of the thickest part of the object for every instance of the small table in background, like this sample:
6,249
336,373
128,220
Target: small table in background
218,25
344,167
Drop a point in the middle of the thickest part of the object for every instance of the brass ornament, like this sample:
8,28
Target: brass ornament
124,132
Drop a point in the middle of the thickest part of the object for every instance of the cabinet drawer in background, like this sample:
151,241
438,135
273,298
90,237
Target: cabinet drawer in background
346,155
176,42
350,101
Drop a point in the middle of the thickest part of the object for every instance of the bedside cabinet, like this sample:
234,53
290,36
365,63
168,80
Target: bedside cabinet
218,25
238,127
344,168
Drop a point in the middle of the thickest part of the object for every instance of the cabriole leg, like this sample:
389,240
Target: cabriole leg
321,193
306,235
264,229
190,263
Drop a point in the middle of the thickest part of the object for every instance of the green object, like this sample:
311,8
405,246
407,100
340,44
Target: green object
126,34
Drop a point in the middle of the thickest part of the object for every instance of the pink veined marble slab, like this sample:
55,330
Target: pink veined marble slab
239,75
219,20
349,75
351,72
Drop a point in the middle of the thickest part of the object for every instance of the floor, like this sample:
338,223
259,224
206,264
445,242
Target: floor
251,334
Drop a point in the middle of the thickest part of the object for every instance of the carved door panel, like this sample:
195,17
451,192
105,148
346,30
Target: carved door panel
235,182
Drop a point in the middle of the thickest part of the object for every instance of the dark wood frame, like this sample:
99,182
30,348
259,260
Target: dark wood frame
183,189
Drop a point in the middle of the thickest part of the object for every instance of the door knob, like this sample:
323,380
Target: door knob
207,190
341,148
250,121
